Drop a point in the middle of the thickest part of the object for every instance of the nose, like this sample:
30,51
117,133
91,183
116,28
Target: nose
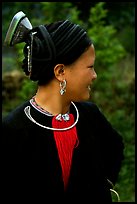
94,75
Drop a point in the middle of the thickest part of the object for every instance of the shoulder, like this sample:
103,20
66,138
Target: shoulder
87,107
16,116
92,111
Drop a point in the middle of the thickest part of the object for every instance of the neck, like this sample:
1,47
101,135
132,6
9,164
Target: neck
50,100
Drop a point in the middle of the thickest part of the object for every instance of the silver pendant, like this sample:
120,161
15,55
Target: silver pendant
58,117
65,117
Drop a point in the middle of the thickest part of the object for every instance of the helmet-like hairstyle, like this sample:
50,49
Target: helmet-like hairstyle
47,45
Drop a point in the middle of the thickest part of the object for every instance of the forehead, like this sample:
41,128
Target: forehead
88,55
90,51
86,59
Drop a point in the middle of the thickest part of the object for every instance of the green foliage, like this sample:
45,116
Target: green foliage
128,32
108,48
28,90
8,63
19,52
114,92
59,11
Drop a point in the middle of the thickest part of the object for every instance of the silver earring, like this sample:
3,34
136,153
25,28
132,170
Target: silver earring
63,87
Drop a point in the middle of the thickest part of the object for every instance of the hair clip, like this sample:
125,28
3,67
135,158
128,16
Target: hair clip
30,53
18,29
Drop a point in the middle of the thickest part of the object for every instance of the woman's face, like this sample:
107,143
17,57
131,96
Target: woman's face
80,76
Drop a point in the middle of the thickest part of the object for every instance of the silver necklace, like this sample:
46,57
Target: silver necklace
27,112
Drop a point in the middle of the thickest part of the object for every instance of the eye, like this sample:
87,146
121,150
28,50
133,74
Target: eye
91,67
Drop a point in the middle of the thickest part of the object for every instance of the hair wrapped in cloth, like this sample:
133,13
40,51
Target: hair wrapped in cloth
46,45
59,42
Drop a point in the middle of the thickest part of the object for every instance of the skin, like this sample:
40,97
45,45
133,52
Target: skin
79,77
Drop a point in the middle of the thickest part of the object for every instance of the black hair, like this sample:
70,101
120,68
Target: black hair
60,42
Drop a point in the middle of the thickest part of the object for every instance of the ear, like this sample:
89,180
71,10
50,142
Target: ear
59,71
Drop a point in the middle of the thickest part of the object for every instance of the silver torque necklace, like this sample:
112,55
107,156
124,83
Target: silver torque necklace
27,112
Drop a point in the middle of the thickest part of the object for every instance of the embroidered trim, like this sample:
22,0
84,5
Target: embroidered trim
38,107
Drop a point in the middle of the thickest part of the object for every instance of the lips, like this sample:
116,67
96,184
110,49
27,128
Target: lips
89,87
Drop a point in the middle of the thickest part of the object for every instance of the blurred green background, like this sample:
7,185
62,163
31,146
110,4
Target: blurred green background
111,26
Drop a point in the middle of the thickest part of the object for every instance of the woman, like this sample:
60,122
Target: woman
58,145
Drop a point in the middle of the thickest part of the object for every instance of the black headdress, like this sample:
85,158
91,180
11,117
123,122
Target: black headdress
59,42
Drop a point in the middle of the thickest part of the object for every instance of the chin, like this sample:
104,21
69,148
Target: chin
86,96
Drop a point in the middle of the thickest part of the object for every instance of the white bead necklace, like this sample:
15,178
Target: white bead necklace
27,112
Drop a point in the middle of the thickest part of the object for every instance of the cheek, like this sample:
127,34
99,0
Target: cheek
78,79
86,76
73,84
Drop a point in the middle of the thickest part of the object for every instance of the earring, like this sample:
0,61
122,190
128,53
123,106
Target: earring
63,87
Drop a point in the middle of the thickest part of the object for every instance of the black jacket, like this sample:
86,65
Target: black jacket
31,169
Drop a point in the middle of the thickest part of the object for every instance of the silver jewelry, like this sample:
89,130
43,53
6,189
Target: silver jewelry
63,87
30,52
58,117
29,60
64,117
116,193
18,29
27,112
112,189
